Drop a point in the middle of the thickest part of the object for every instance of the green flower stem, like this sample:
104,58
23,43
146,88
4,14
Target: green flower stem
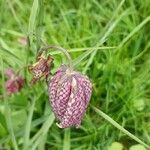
60,49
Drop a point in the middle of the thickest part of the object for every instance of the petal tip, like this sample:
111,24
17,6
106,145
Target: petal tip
59,125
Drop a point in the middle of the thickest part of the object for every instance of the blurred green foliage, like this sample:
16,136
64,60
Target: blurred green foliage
108,40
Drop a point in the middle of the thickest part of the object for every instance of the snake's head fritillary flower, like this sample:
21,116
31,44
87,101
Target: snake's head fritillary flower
14,83
69,95
41,68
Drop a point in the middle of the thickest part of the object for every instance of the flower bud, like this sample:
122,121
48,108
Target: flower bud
23,40
69,95
14,82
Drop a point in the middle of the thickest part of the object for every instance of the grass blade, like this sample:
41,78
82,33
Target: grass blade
28,125
108,30
39,29
145,21
32,19
15,15
35,141
114,123
101,41
8,112
6,50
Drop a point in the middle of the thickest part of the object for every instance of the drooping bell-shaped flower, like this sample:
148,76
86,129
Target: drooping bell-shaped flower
14,83
69,91
69,95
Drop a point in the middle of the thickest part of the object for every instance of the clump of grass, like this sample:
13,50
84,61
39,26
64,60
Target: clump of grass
112,47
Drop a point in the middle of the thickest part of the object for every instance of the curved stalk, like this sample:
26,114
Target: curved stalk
60,49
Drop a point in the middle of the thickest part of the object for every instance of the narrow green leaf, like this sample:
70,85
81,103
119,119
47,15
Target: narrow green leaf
39,29
2,130
34,124
10,4
98,44
32,19
108,30
8,111
28,125
83,49
114,123
35,141
136,29
5,49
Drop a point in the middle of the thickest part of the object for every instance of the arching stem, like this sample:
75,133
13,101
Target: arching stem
60,49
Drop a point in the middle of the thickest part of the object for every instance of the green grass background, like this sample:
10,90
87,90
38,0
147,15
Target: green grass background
109,40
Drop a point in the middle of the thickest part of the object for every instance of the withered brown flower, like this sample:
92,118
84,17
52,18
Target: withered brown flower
41,68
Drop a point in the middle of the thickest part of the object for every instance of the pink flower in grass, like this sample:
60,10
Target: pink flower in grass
14,82
69,95
23,41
